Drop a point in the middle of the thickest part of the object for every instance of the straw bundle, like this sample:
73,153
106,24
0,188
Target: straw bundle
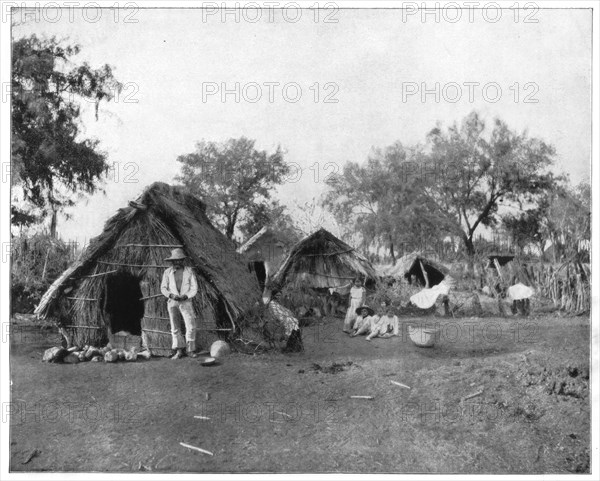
567,285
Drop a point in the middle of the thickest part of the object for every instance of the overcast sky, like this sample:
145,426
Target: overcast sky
368,59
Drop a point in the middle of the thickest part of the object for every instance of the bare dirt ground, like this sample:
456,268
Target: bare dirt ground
293,413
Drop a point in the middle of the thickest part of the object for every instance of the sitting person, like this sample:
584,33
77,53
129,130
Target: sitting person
386,325
364,320
291,326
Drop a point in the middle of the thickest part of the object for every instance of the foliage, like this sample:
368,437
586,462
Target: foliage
561,217
380,203
272,215
449,187
36,262
476,174
525,229
234,179
50,159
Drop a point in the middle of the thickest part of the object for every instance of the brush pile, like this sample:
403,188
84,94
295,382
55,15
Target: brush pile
567,285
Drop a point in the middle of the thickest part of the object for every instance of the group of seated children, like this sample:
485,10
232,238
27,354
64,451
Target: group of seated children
361,319
385,324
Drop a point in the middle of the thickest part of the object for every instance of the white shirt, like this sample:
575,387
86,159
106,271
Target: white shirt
189,286
387,323
361,321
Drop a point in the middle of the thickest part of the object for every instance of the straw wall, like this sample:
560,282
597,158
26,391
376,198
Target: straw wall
139,251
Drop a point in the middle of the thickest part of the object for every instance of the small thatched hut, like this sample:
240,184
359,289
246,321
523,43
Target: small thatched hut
508,269
265,252
115,285
416,268
321,260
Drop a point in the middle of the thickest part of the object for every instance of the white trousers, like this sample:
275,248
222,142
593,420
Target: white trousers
187,312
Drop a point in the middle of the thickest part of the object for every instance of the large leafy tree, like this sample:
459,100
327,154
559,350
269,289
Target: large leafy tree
51,160
378,201
235,180
471,174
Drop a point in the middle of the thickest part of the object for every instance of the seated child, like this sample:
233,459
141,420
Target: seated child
362,324
386,325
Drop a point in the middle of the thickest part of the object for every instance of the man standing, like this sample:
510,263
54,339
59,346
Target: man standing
179,286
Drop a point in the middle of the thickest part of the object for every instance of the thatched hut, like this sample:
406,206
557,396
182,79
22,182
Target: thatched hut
321,260
115,285
265,252
417,269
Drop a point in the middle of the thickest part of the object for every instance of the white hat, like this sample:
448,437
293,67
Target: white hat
176,254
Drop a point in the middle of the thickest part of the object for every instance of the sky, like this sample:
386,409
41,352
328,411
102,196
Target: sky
371,66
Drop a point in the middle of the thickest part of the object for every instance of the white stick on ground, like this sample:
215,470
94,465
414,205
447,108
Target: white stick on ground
478,393
189,446
400,384
283,414
201,417
361,397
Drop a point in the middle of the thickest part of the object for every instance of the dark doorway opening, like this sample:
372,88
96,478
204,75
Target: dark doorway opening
260,271
416,273
122,303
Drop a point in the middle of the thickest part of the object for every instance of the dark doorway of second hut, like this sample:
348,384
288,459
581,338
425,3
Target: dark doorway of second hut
122,303
260,271
416,274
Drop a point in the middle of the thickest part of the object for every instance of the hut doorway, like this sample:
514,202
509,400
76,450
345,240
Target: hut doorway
416,272
122,303
260,271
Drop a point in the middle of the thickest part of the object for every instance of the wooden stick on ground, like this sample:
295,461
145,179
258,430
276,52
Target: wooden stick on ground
361,397
189,446
478,393
400,384
201,417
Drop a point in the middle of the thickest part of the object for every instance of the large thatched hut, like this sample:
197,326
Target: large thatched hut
115,285
265,251
321,260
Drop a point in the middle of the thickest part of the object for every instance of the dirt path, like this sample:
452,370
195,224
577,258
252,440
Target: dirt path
293,413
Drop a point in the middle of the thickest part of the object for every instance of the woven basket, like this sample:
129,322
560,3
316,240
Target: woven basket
421,336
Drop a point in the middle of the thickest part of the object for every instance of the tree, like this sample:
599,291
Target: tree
273,215
525,229
470,175
233,178
561,217
50,159
379,202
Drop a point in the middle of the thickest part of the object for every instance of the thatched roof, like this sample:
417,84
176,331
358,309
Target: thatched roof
250,243
323,260
406,262
502,259
265,243
210,252
410,265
